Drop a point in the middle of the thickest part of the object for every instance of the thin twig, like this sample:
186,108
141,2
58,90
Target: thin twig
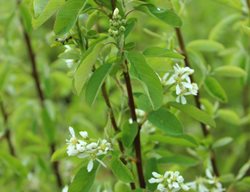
205,130
41,95
137,141
7,133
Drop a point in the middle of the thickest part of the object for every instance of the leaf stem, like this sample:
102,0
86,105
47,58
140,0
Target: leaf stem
204,128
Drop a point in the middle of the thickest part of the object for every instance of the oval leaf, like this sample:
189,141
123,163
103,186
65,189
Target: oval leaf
83,180
162,52
95,82
213,87
205,45
167,16
229,71
166,121
195,113
51,7
85,67
120,170
146,75
67,16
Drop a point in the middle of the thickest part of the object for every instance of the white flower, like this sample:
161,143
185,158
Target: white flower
181,81
65,189
72,142
87,148
84,134
170,181
116,12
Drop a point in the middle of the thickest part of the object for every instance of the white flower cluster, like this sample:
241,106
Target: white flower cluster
182,82
207,184
87,148
169,182
116,24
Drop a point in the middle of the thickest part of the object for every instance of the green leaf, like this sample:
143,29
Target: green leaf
59,154
143,102
51,7
195,113
4,74
213,87
229,116
26,17
167,16
39,6
120,186
129,132
48,123
166,121
67,16
95,82
182,140
162,52
205,45
120,170
243,170
129,26
230,71
179,159
222,142
222,27
145,74
83,180
13,163
85,67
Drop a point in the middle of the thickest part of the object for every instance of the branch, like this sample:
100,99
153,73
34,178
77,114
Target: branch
137,141
7,133
205,130
41,95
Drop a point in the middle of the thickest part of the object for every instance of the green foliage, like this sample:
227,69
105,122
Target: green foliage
145,74
67,16
215,90
120,170
83,180
166,121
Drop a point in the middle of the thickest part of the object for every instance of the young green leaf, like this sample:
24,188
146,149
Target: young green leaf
222,142
51,7
83,180
229,116
213,87
166,121
182,140
195,113
120,170
121,186
222,27
59,154
67,16
129,132
167,16
145,74
229,71
95,82
85,67
161,52
205,45
179,159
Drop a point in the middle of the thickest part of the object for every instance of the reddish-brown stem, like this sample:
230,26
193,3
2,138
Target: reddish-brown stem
32,58
137,141
7,133
204,128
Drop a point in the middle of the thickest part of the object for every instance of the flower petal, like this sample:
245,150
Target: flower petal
90,165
